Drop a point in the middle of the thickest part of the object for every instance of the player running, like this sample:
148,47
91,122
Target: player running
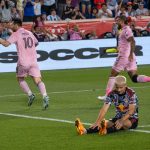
27,60
126,104
126,58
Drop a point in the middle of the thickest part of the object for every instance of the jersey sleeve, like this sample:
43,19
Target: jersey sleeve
109,99
13,38
133,99
128,33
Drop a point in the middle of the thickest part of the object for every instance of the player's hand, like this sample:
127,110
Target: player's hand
118,124
95,125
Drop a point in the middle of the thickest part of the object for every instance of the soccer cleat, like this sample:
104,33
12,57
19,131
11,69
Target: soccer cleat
79,126
31,99
45,102
103,98
103,129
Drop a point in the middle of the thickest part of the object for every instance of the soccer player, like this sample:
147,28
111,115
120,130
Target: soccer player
27,60
126,105
126,58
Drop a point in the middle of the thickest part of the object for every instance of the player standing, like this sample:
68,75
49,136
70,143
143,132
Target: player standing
126,105
27,60
126,58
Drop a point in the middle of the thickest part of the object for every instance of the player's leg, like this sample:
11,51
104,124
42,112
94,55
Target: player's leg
41,86
24,86
81,130
138,78
108,126
110,83
21,74
35,73
132,72
118,66
130,123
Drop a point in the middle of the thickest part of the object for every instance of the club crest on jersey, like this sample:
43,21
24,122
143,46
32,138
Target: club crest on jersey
121,107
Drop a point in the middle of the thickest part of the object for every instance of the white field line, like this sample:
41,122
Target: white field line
143,126
75,91
59,120
40,118
143,131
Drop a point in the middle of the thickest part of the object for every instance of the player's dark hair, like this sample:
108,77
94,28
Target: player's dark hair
17,21
124,18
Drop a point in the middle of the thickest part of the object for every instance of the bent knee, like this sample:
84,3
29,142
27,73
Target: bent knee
134,78
37,80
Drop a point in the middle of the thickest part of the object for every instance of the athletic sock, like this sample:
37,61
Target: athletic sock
23,84
42,89
113,129
90,130
110,85
143,78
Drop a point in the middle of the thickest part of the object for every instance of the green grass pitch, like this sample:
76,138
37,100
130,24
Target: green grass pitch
73,93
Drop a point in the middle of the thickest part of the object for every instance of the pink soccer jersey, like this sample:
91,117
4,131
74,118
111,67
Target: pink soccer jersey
124,46
25,43
122,62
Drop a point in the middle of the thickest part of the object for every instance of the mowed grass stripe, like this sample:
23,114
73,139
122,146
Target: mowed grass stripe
63,121
75,91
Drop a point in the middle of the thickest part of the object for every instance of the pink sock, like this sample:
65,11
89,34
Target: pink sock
143,78
42,88
110,85
23,84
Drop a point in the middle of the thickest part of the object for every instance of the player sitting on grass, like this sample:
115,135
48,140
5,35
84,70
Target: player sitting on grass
125,102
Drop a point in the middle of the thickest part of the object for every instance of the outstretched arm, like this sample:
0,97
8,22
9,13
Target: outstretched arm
101,115
4,42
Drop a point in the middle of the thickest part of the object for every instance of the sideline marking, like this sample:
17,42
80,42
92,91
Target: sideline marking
40,118
64,121
75,91
143,131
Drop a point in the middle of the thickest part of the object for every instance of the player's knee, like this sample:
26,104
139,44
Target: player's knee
20,79
37,80
134,78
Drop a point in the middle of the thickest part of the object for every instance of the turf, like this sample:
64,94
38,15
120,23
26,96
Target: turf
72,94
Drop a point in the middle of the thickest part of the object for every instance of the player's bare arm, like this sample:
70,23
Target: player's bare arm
132,44
4,42
101,115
